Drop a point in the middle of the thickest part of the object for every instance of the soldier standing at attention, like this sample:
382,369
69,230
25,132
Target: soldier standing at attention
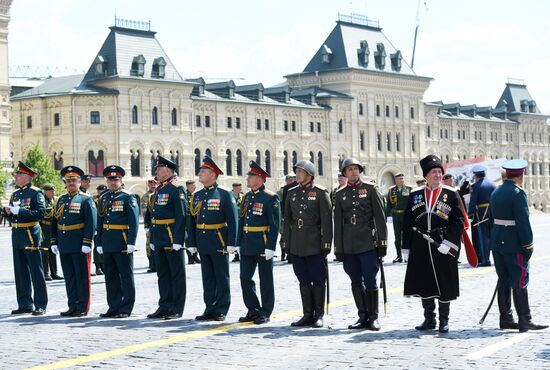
73,228
512,245
479,212
238,194
342,182
360,237
190,188
398,197
116,240
290,182
151,186
26,209
256,241
49,259
213,233
168,221
308,239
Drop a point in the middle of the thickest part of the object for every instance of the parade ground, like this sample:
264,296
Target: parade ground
55,342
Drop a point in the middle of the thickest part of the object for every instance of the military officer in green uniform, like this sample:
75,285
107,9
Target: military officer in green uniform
213,233
25,210
151,185
190,188
73,229
259,218
398,197
238,194
49,259
512,246
360,236
308,239
117,226
168,220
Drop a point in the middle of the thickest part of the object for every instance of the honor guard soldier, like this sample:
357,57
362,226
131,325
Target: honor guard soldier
190,188
308,239
290,182
398,197
73,229
151,186
479,211
168,222
213,233
360,237
259,218
433,226
512,246
49,259
26,209
117,226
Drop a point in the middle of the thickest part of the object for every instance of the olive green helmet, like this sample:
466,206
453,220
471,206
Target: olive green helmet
306,166
351,161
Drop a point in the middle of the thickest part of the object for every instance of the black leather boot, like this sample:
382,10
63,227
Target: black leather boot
444,308
372,309
306,292
429,315
521,301
360,298
318,305
504,299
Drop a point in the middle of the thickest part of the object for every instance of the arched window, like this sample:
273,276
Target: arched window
285,162
155,116
396,111
294,157
96,163
228,163
412,112
208,152
135,163
58,161
258,158
197,160
174,117
175,157
154,157
268,162
312,157
135,115
387,110
239,159
377,110
360,109
320,164
340,127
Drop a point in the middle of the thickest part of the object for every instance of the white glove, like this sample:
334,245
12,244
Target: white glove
444,249
177,247
405,254
146,229
152,246
130,248
85,249
390,220
15,209
231,250
99,250
269,254
192,250
54,249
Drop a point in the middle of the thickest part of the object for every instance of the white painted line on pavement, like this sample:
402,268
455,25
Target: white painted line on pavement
498,346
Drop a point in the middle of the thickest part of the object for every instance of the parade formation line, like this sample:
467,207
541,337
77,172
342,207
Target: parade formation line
275,317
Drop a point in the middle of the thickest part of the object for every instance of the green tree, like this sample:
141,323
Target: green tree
42,164
4,178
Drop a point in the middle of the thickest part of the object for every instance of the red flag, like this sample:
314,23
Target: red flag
471,254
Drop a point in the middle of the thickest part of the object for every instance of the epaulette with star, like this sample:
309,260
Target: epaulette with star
321,187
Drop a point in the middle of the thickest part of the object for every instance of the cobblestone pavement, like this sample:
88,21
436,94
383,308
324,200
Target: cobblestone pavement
51,342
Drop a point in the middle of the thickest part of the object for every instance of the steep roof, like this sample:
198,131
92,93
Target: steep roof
66,85
515,96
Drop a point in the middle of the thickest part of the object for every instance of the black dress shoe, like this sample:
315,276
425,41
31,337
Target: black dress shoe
69,312
39,312
107,314
48,278
205,316
249,318
399,259
78,314
121,316
261,320
151,270
21,311
57,277
218,317
157,314
172,316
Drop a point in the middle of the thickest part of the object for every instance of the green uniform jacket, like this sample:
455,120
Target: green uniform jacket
79,213
358,210
31,209
509,203
168,214
46,222
118,220
308,220
397,199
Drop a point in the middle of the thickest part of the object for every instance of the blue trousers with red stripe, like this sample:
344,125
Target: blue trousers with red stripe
512,270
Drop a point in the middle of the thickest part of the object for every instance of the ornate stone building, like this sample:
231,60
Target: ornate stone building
357,96
5,125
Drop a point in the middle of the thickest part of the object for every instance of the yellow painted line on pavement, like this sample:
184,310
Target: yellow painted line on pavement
217,330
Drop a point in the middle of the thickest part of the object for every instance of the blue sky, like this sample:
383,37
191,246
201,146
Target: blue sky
469,47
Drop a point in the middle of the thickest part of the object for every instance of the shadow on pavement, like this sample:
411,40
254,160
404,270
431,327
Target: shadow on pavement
406,334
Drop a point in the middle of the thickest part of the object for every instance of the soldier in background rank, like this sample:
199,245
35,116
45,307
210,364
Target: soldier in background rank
213,233
256,241
118,220
26,209
168,220
398,197
238,194
290,182
73,228
49,259
151,186
190,188
479,212
308,239
360,236
512,245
